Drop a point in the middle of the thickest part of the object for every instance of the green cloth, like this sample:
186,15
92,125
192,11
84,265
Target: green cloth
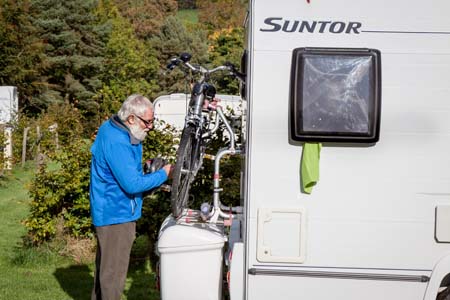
310,166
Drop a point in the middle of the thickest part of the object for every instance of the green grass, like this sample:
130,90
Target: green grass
188,16
41,273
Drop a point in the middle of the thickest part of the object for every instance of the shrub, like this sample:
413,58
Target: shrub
156,206
61,194
69,127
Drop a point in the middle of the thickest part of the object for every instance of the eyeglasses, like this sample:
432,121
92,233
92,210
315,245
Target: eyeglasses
146,123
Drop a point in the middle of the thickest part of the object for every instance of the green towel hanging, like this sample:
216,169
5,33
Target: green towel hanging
310,166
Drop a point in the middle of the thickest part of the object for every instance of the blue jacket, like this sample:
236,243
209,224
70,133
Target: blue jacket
117,179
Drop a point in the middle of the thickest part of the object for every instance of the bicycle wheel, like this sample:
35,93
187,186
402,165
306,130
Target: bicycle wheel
186,167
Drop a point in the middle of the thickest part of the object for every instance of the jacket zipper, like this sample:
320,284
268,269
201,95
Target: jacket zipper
133,206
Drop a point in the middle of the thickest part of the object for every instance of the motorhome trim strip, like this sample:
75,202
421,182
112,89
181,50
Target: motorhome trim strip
406,32
341,275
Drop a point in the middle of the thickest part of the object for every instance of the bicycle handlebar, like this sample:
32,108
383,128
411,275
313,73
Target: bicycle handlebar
185,58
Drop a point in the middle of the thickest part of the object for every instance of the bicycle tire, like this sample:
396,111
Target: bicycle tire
188,161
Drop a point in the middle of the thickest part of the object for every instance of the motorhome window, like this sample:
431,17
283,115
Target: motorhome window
335,95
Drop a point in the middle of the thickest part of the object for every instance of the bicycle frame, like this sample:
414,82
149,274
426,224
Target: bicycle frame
196,118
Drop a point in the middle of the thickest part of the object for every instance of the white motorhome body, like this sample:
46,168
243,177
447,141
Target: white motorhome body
370,80
172,108
377,224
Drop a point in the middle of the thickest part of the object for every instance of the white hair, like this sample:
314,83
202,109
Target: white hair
134,105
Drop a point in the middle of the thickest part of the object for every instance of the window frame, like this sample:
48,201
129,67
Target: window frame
297,80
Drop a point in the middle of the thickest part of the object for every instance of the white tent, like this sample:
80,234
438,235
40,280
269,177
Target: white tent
9,105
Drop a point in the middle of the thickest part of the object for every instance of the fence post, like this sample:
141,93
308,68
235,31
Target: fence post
54,128
24,145
8,152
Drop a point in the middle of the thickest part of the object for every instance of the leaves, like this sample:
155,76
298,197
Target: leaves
146,16
74,41
61,193
75,61
219,14
130,66
174,39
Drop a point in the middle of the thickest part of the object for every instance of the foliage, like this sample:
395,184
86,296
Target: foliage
202,187
130,66
146,16
219,14
61,195
174,39
74,63
189,17
187,4
156,206
40,273
227,45
69,127
21,52
161,142
73,55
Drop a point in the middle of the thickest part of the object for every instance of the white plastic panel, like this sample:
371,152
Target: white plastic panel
237,272
295,288
443,223
274,225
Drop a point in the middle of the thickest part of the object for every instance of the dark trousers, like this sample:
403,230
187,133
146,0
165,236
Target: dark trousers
111,263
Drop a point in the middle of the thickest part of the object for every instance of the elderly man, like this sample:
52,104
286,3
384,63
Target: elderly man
117,184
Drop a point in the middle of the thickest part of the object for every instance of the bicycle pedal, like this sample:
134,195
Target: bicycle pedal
209,156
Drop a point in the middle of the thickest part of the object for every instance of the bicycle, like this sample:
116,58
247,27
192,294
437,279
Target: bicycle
196,132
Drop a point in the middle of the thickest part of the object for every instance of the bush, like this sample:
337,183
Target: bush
69,127
61,194
156,206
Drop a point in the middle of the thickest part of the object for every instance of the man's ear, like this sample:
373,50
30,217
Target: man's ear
131,119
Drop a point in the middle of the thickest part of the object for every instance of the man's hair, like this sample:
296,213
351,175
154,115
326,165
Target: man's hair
134,105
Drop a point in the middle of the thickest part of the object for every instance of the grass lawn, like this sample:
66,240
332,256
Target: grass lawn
188,16
42,274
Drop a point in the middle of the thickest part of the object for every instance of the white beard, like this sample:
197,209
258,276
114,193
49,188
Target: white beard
138,132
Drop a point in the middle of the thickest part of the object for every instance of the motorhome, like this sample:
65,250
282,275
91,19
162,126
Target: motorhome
171,109
366,84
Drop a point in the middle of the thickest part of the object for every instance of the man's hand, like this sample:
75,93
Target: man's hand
168,169
153,165
207,105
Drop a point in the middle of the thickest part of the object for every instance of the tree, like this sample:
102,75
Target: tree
218,14
146,16
74,42
174,39
227,45
187,4
21,53
129,67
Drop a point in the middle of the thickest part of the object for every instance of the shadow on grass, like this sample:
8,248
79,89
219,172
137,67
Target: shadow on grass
143,283
76,281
